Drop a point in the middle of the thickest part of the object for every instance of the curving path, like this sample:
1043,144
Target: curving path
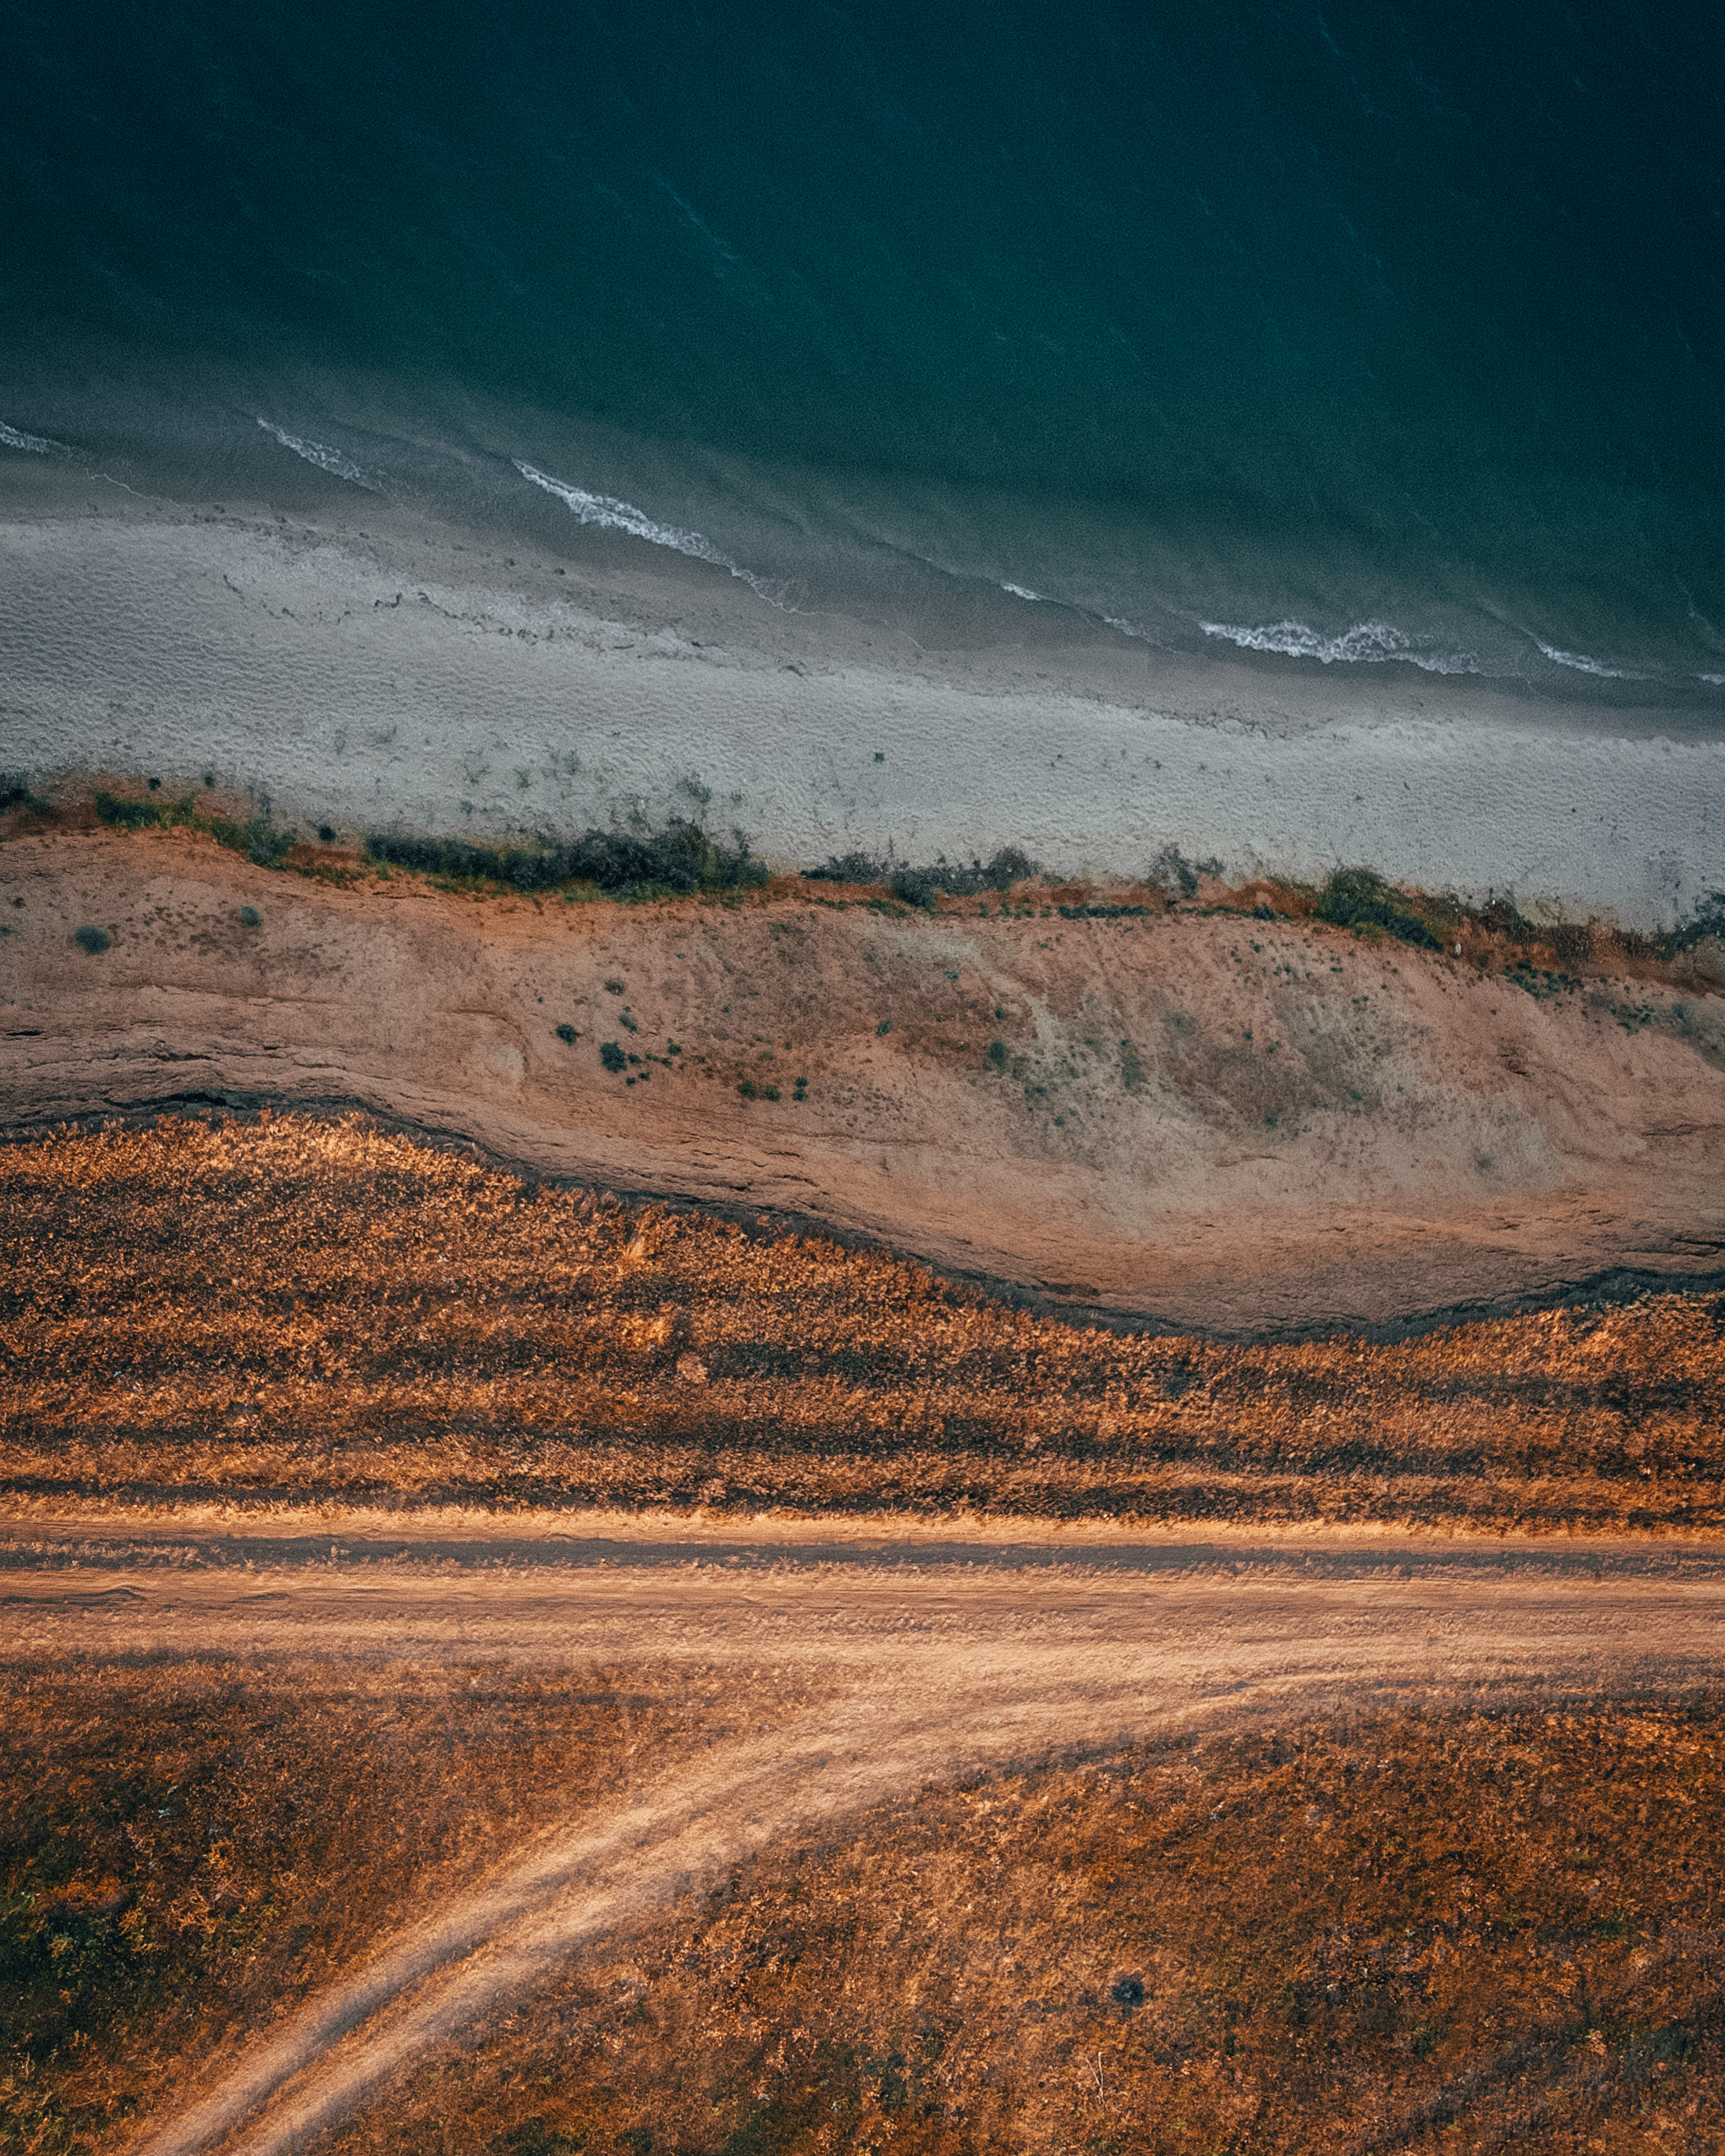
932,1659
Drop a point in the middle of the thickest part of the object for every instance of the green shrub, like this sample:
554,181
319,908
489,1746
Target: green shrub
1172,871
1360,898
679,860
920,887
884,1026
749,1089
258,840
251,917
568,1035
997,1055
612,1057
95,940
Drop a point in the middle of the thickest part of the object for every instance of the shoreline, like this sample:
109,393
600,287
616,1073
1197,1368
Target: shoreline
398,675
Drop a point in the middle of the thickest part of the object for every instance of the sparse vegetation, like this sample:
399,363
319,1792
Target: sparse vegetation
678,860
567,1033
1397,1929
1172,871
250,917
612,1057
1358,898
258,839
93,940
940,879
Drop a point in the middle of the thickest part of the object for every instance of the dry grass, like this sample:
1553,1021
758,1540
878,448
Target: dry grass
292,1308
1443,1932
188,1846
1446,1933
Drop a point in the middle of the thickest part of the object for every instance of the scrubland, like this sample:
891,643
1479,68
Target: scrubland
1464,1924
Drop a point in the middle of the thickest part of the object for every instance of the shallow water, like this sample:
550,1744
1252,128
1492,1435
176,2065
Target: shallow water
1333,334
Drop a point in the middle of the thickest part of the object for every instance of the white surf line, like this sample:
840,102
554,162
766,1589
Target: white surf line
326,458
15,438
1011,1702
609,513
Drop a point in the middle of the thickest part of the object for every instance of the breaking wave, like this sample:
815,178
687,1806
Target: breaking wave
1366,643
15,440
1583,665
326,458
606,511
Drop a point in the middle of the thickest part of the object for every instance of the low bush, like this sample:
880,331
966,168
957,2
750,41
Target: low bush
612,1057
680,860
568,1035
1172,871
258,839
93,940
1360,899
15,793
922,887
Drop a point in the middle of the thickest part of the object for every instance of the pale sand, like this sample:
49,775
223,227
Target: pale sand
493,698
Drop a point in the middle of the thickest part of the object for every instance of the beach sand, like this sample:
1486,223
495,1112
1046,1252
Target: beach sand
366,667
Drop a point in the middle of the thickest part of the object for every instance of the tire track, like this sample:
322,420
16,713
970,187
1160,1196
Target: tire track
963,1692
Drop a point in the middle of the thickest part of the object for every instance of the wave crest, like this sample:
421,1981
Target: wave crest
611,514
326,458
1583,665
1365,643
15,439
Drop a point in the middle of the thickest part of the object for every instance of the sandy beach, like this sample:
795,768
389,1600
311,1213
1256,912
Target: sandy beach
382,670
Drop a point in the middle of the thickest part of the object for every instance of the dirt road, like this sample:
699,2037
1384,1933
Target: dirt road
929,1659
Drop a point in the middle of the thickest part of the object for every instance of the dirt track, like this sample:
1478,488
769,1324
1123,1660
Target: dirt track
934,1660
1241,1128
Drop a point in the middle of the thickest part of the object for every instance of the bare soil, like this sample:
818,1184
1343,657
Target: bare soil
1236,1126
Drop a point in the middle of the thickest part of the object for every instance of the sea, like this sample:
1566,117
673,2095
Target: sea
1336,341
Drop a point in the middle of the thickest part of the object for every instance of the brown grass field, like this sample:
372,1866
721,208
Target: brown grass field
1439,1928
286,1309
1429,1931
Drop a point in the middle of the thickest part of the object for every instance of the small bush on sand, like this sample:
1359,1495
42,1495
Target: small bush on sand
568,1035
251,917
95,940
680,860
920,887
612,1057
1170,871
1360,899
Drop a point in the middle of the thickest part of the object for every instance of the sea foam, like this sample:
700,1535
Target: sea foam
1583,665
611,514
1366,643
15,440
326,458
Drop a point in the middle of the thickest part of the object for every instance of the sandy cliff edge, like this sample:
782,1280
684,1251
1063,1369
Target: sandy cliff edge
1237,1126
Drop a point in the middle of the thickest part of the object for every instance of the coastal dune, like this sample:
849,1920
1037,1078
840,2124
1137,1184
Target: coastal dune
1240,1126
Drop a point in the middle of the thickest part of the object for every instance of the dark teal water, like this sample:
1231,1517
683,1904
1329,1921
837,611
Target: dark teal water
1380,335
